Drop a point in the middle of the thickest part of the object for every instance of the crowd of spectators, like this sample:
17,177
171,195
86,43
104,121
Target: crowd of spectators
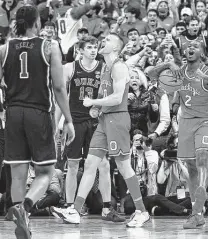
153,32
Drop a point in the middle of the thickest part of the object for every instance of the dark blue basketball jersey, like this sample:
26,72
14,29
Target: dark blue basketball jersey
27,74
83,83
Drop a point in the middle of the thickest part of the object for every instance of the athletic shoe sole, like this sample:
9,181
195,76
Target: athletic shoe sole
139,226
22,231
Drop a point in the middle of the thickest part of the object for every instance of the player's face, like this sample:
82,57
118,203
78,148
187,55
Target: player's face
90,51
108,45
135,82
194,51
133,36
193,27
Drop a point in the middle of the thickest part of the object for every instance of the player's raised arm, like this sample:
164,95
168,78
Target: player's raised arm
59,86
78,12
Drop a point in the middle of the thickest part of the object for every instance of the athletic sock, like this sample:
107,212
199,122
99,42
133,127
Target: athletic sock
78,204
28,204
106,204
134,189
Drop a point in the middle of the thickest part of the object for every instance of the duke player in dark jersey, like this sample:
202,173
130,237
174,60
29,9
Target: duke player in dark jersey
192,97
84,80
112,133
30,65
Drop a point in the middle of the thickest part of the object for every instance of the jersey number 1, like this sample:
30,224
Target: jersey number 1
23,57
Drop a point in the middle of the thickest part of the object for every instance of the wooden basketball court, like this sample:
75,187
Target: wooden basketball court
92,227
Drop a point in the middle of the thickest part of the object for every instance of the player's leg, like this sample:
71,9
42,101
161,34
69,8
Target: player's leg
17,154
105,184
186,152
74,155
119,147
141,216
39,133
197,175
104,172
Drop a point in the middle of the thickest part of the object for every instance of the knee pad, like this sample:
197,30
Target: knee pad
202,158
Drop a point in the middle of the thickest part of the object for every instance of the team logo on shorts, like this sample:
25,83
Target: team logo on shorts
113,145
205,140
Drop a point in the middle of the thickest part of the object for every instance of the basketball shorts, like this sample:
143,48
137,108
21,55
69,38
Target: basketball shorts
79,147
112,134
193,135
29,136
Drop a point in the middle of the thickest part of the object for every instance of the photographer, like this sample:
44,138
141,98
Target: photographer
171,204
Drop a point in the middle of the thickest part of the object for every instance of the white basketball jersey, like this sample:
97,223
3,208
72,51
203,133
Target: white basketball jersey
67,30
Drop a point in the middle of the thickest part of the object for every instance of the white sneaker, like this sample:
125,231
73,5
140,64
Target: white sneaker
69,215
72,216
138,219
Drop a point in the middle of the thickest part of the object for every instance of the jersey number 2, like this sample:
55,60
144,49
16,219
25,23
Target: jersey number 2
187,102
23,57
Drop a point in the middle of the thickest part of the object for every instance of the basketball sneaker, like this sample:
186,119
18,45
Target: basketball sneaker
21,219
69,215
112,216
138,219
194,221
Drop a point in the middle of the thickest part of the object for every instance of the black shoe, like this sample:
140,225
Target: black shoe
112,216
21,219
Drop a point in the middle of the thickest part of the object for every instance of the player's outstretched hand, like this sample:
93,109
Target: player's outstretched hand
69,132
87,102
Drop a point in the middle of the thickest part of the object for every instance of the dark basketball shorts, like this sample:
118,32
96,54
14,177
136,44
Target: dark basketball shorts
29,136
112,134
193,136
79,148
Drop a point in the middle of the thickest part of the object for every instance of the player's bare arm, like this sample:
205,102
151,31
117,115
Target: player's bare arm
68,71
59,86
78,12
120,76
156,71
202,75
2,55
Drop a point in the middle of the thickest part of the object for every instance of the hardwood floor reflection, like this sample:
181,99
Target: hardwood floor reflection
94,228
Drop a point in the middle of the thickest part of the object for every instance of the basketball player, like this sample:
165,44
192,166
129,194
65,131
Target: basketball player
71,22
112,133
28,63
193,129
84,80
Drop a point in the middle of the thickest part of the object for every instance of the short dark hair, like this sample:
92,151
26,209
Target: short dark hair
133,10
26,16
193,18
132,30
152,10
88,39
50,24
